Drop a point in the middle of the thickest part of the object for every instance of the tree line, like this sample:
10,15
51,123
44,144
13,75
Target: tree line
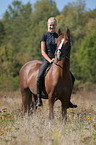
22,26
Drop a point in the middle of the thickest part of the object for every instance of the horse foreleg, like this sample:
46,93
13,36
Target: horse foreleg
64,112
51,105
23,104
34,99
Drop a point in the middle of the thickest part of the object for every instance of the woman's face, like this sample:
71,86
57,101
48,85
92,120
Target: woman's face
51,27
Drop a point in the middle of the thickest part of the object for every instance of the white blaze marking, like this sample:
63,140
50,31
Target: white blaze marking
62,41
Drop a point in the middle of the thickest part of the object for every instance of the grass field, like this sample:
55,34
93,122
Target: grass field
37,129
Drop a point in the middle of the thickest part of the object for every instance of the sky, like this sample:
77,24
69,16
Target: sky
90,4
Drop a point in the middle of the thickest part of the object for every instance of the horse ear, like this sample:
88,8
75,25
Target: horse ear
59,32
68,32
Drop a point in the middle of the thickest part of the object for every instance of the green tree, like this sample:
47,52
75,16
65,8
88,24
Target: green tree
75,21
2,33
89,22
18,17
44,9
87,57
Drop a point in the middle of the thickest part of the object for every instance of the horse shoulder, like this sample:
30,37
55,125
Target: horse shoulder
51,79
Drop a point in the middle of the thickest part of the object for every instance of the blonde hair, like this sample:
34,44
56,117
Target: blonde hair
52,20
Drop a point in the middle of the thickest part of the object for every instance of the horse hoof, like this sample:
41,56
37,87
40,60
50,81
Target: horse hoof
39,104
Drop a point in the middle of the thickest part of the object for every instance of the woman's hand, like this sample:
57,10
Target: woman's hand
52,60
44,53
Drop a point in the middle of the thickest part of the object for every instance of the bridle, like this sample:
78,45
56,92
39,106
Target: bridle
60,52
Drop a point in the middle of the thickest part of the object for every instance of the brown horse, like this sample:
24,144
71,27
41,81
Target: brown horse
58,82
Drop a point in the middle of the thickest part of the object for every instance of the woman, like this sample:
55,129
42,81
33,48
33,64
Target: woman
48,47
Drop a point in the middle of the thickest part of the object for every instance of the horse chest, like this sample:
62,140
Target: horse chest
62,88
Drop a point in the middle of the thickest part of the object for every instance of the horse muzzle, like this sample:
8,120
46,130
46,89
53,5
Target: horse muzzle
58,55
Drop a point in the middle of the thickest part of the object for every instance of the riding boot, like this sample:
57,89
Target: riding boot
39,91
39,101
72,105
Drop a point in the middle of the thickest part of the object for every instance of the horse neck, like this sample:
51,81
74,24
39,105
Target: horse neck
63,68
65,64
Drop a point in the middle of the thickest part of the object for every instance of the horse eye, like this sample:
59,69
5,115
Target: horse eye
67,42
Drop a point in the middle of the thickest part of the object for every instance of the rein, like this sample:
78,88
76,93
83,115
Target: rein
64,55
59,48
57,64
50,67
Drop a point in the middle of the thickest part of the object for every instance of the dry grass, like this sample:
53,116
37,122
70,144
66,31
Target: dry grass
37,129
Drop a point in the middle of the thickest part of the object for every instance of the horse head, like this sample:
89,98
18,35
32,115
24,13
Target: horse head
63,45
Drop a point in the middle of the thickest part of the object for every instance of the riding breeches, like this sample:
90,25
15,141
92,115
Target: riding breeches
40,78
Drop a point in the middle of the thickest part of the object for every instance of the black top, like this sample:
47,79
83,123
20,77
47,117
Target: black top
50,43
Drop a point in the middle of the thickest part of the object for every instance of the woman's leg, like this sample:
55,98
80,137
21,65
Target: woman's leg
40,81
